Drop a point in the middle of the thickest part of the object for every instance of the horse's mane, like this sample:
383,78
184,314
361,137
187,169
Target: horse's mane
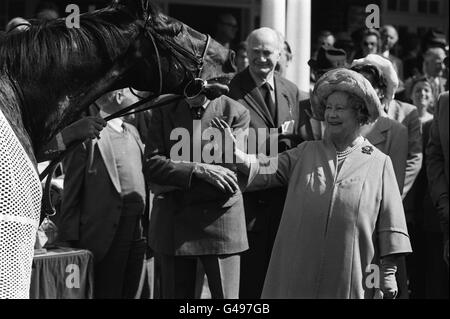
52,46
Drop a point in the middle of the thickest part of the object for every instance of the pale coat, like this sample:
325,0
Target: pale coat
327,253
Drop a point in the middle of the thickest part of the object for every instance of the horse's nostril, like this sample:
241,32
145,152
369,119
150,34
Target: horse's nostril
194,88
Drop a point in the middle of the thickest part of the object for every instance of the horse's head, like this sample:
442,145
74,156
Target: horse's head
172,55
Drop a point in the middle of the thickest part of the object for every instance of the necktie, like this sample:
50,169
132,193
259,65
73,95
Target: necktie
197,112
265,91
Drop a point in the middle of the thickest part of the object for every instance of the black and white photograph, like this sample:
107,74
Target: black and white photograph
224,156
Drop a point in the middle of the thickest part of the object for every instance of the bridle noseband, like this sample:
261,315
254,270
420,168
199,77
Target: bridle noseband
178,53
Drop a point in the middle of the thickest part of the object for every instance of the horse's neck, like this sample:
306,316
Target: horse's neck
64,110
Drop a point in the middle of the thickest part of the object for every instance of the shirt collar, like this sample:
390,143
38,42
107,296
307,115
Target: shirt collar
116,124
259,82
205,105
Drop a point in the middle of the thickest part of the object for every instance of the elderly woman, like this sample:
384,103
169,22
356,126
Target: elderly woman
343,225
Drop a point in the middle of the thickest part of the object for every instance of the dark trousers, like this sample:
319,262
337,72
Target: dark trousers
117,275
263,210
178,276
429,277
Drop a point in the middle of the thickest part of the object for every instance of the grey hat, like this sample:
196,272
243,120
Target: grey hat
344,80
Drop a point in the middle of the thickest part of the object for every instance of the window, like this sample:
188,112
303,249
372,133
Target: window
422,6
404,5
434,7
392,5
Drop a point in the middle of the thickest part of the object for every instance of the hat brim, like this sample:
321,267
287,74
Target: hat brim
348,81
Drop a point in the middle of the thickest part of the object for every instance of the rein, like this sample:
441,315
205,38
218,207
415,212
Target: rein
47,207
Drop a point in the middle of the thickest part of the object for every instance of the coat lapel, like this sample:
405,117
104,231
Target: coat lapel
377,135
106,151
254,99
284,109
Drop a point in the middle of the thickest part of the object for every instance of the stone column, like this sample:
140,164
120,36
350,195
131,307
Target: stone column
273,15
298,35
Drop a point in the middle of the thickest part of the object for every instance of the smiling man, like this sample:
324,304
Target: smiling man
273,102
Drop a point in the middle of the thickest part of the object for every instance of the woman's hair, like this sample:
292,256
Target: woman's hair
377,79
358,105
371,31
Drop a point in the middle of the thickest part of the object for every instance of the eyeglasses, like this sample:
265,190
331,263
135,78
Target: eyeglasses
366,44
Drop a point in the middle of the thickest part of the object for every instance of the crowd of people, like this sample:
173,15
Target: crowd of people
347,178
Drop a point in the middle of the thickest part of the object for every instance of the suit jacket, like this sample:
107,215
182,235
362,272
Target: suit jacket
391,138
263,208
243,89
408,115
438,160
92,204
189,216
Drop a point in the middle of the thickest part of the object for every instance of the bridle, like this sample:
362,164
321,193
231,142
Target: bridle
179,53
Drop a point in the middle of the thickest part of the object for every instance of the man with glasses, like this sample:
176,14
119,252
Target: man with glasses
226,29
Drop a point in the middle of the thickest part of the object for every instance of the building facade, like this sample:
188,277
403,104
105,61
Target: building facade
298,20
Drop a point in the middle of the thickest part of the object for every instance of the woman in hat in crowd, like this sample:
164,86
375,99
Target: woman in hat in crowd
343,227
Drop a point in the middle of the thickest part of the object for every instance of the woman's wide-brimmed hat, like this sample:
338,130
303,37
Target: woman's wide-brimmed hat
344,80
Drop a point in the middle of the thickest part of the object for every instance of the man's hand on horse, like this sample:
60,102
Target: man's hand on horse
218,176
87,127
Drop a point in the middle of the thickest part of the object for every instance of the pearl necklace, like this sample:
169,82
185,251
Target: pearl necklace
342,155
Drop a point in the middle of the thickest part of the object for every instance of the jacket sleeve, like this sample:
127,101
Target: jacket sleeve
436,171
268,172
73,193
158,167
414,161
391,228
398,154
49,151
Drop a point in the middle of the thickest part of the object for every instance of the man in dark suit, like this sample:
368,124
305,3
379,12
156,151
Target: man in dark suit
438,165
198,210
104,200
273,103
